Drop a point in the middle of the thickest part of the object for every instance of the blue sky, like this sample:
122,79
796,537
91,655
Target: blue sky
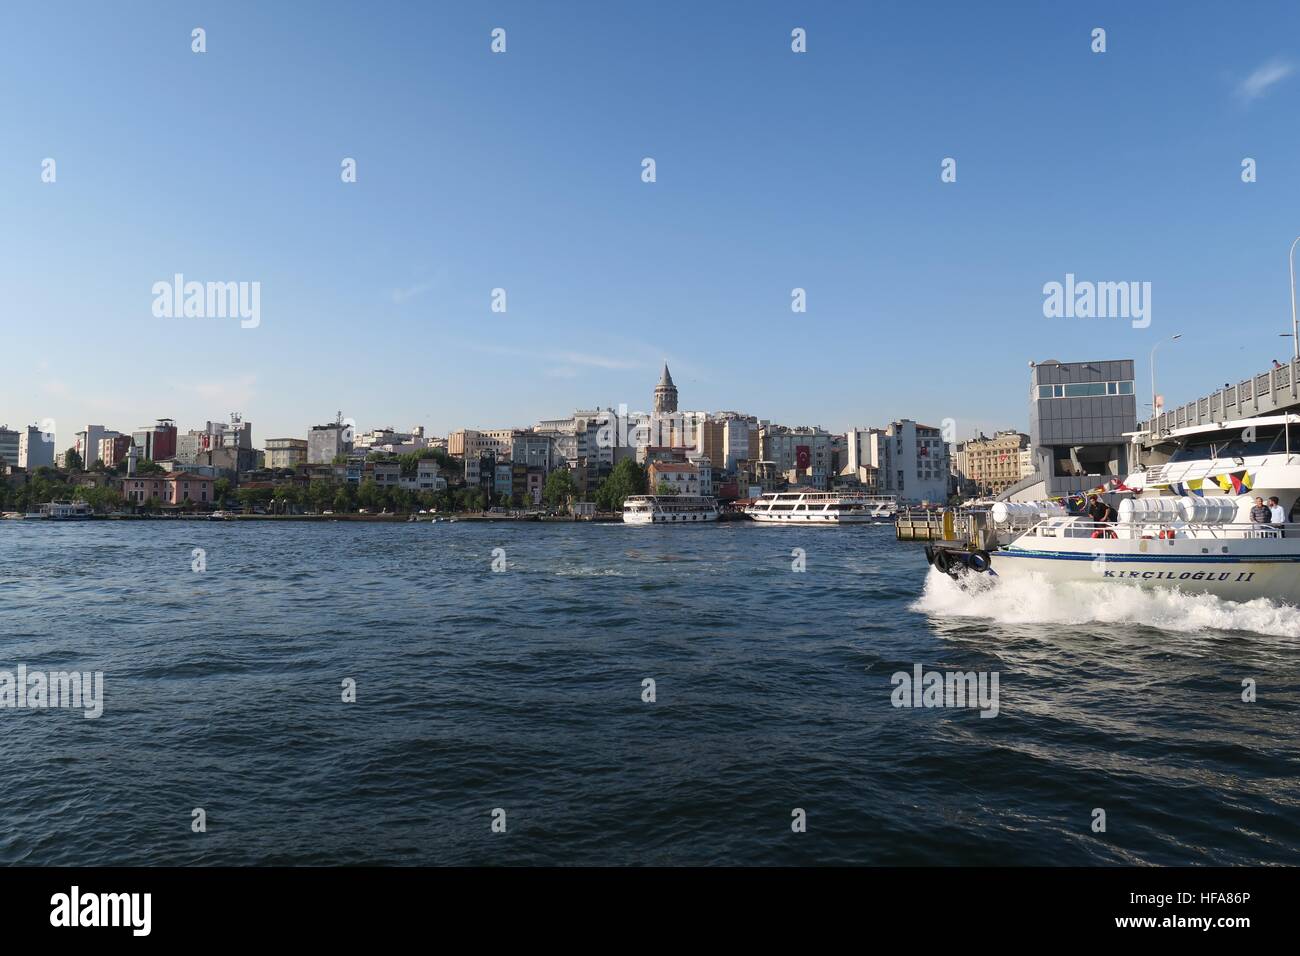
523,171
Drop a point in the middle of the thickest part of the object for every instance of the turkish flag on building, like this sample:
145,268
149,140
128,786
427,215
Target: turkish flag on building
802,456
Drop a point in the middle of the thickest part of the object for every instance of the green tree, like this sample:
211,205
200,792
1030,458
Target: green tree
627,478
368,494
559,488
663,488
72,460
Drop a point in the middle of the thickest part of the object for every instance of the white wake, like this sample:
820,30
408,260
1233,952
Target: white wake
1034,600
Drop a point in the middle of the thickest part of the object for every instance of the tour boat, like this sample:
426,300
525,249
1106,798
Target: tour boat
669,509
821,507
1184,524
65,511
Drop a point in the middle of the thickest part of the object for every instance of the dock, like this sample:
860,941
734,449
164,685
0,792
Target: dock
953,525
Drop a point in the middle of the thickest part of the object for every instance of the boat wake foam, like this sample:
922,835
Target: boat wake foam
1035,600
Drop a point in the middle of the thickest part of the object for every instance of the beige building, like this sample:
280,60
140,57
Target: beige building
286,452
993,464
470,443
683,478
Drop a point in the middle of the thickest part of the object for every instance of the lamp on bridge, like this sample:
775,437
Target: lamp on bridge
1155,411
1295,332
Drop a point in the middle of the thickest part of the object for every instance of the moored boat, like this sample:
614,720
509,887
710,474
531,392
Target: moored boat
822,508
669,509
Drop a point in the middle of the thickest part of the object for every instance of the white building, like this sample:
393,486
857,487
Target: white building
327,442
910,460
34,450
87,443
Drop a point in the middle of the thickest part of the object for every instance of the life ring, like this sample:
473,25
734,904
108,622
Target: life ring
980,561
942,561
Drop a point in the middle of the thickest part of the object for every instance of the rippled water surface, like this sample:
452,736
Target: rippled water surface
523,690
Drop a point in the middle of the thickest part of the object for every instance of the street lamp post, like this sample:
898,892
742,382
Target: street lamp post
1295,332
1154,412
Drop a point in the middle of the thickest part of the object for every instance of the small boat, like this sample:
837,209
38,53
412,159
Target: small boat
217,516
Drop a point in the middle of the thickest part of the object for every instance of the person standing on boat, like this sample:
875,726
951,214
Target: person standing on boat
1102,515
1260,516
1099,511
1277,517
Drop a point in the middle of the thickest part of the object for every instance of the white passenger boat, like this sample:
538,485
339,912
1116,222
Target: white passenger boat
65,511
1186,525
669,509
821,508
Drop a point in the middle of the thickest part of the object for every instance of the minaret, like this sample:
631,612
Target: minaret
665,394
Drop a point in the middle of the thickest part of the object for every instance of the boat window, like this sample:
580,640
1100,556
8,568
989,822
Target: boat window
1229,444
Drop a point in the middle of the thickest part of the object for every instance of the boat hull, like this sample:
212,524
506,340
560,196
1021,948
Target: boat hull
812,518
692,518
1231,577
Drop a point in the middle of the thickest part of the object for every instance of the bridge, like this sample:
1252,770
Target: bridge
1270,392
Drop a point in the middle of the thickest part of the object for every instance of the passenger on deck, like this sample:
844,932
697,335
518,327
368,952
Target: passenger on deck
1260,516
1277,517
1102,514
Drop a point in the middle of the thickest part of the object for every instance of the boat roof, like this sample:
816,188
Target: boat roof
1236,424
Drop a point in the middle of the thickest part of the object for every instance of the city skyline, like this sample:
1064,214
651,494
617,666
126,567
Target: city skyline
478,171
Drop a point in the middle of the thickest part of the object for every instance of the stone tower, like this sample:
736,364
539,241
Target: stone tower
665,393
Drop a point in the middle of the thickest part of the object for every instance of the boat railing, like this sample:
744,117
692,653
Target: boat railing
1159,530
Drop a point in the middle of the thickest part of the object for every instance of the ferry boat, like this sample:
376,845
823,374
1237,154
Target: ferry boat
1185,524
822,507
669,509
65,511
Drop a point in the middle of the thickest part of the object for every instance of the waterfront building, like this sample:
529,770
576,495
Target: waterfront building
156,442
532,450
386,474
503,479
704,466
470,443
590,437
729,439
1079,414
176,488
327,442
683,478
88,442
991,465
113,449
534,483
286,452
427,477
8,446
34,450
802,454
857,467
907,460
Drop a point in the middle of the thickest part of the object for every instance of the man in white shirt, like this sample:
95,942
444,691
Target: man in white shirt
1277,516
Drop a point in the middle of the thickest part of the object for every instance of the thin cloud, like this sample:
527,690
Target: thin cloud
225,393
585,359
1263,79
410,292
